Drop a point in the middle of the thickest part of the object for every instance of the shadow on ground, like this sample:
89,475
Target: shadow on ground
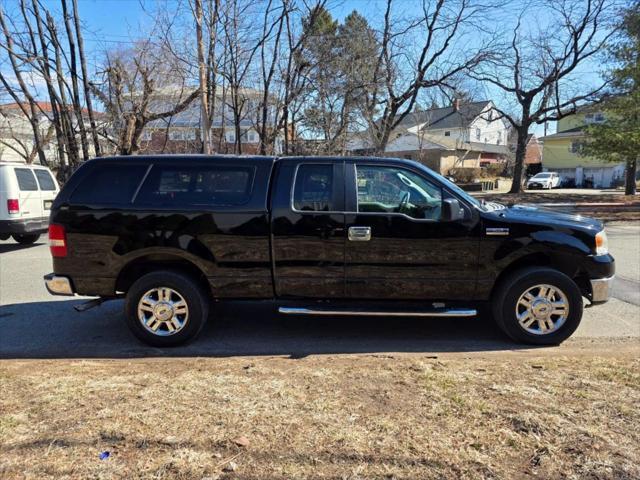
55,330
12,247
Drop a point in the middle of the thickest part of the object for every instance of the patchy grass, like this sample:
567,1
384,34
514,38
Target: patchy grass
322,417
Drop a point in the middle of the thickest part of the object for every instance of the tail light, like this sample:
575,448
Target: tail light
57,240
13,205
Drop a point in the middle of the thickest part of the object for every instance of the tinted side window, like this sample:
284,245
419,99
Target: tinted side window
44,180
383,189
109,185
313,191
26,180
197,185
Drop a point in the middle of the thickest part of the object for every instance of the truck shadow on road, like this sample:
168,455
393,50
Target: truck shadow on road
55,330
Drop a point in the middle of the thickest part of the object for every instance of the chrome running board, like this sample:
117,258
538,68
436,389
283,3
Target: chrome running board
442,312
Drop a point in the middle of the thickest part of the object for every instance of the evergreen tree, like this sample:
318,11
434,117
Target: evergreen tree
618,138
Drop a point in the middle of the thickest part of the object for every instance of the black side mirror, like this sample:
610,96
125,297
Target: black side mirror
451,210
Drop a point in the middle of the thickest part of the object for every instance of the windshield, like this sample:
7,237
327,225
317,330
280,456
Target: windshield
542,175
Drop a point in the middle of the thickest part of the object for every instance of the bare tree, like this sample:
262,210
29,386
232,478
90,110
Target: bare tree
539,73
29,108
402,73
85,80
37,49
294,74
76,101
268,111
132,96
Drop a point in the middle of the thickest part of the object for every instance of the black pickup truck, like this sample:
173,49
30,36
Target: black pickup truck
321,236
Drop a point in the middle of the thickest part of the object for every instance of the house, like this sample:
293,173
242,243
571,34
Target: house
180,133
461,135
16,134
561,153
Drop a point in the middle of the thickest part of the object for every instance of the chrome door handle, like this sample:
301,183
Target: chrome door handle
359,234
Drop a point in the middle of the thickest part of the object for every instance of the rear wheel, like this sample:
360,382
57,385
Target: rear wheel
540,306
26,238
166,308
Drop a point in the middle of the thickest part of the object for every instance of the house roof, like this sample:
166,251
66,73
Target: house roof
428,141
572,132
446,117
43,106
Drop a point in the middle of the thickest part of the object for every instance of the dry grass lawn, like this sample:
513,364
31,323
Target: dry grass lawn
345,417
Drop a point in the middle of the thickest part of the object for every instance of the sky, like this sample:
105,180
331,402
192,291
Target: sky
112,23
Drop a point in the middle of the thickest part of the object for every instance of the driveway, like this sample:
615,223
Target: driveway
34,324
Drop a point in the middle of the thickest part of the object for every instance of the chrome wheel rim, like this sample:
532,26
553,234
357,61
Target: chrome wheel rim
542,309
163,311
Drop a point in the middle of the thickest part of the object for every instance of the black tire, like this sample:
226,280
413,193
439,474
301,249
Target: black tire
193,293
508,292
26,238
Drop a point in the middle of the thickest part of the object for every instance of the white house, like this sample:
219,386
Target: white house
461,135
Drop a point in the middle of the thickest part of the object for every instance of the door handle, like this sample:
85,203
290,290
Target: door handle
359,234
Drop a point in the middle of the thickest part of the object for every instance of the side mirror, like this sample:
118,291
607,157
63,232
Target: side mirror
451,210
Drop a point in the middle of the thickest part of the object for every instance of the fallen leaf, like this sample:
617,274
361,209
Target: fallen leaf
230,467
241,441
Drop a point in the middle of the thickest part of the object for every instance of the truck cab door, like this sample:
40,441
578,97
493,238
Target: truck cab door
398,246
307,228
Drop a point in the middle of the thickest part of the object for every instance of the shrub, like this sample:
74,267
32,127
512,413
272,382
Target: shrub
494,169
465,174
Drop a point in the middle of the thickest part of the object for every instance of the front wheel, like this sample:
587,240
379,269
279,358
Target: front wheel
166,308
26,239
539,306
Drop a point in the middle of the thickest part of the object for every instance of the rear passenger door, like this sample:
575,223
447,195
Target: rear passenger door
29,194
307,228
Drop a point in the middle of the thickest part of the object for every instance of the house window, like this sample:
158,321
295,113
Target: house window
594,118
491,115
146,136
176,135
499,140
447,133
576,146
231,137
478,134
252,136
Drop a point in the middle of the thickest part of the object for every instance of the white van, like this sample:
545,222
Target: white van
26,195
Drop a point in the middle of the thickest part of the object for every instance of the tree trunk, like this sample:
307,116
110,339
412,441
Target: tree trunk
205,128
630,177
521,152
75,99
85,81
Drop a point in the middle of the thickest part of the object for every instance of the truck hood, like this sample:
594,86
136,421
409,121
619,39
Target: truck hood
544,216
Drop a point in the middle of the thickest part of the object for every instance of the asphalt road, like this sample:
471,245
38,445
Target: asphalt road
34,324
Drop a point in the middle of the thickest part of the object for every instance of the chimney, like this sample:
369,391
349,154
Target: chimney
456,104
